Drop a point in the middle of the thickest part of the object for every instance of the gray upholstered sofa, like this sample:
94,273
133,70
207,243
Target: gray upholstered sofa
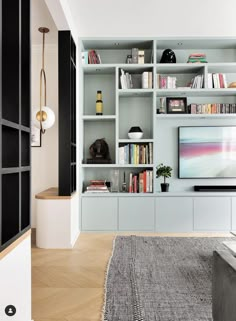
224,286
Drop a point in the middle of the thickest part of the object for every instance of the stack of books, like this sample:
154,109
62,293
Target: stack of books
217,80
136,154
197,58
94,57
141,182
97,186
166,82
216,108
147,80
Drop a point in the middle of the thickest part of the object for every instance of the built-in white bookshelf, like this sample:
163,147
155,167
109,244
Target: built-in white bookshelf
124,108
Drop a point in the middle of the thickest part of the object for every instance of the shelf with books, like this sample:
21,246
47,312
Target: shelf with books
136,106
116,51
199,104
136,78
220,77
124,178
173,79
140,182
135,153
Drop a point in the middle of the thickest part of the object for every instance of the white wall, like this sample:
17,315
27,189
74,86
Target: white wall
15,282
129,18
45,159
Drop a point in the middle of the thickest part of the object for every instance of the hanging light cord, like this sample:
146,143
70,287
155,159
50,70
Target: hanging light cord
42,115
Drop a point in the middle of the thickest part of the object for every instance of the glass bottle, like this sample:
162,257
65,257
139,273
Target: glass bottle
162,105
99,103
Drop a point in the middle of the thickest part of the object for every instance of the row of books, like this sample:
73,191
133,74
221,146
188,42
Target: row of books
217,108
136,154
129,81
197,82
141,182
216,80
166,82
90,57
97,186
197,58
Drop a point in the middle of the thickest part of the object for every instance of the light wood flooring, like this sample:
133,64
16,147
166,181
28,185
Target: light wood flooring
68,285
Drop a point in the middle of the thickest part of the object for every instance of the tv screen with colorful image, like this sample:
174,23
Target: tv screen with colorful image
207,152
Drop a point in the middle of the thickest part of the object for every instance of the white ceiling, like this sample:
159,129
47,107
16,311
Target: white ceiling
40,17
138,18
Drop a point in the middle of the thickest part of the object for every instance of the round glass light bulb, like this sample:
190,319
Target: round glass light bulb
48,117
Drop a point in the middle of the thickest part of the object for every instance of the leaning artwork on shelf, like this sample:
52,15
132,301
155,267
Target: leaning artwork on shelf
35,136
176,105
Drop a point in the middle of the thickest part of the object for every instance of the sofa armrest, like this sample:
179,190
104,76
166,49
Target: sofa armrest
224,286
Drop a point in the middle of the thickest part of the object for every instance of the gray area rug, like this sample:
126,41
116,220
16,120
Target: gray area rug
160,279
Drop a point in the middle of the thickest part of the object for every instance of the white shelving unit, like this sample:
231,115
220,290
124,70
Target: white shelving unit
124,108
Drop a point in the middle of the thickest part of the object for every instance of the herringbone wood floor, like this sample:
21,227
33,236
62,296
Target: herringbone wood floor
68,285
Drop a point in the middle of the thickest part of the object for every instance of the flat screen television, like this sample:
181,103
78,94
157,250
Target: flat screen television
207,152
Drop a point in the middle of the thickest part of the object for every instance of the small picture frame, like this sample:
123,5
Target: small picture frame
36,137
176,105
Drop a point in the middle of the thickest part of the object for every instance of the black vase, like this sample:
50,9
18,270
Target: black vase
168,57
165,187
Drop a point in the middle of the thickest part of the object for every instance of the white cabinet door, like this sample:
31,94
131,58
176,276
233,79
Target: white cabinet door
99,214
212,213
174,214
136,213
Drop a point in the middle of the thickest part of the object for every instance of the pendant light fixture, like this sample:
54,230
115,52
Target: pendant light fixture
44,118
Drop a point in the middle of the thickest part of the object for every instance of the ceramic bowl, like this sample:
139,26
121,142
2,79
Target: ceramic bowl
136,135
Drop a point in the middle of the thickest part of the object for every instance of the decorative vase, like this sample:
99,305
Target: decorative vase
135,132
162,105
168,57
165,187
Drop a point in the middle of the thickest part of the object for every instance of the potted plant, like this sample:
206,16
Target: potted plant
163,171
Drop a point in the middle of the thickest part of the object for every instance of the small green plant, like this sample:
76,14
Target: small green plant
163,171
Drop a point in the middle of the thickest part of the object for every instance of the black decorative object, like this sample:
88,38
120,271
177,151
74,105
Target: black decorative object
99,151
135,132
168,57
